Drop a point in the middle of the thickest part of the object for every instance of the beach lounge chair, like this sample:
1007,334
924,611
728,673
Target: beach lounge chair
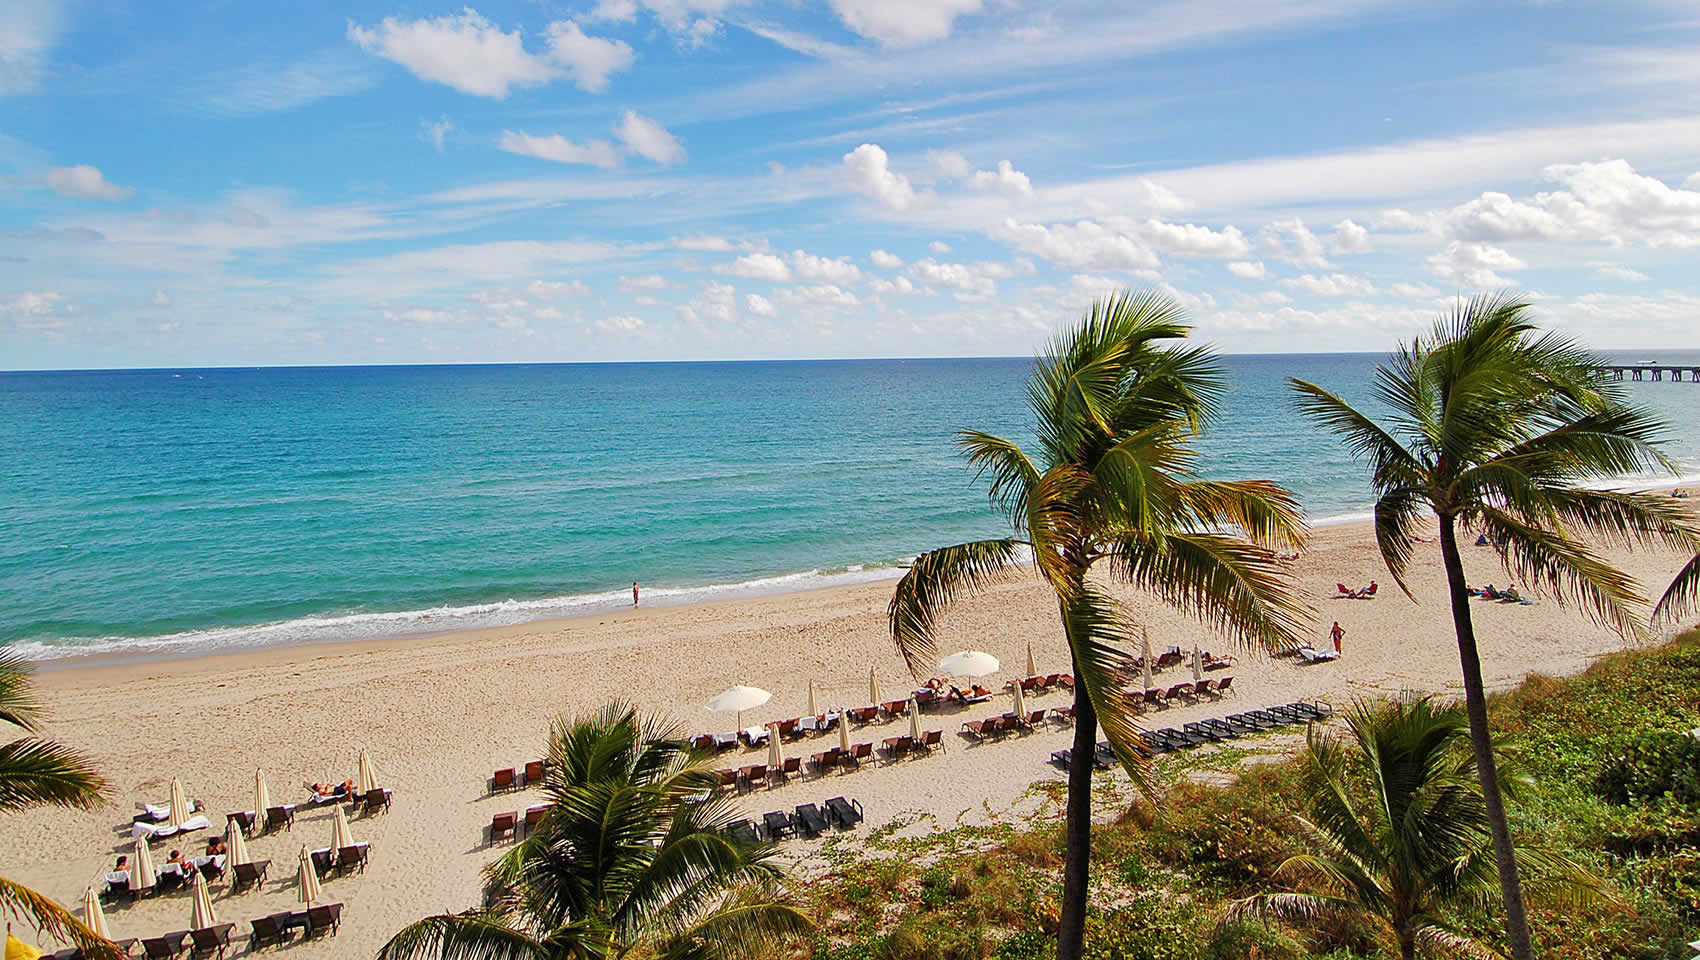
353,858
703,742
895,708
809,822
862,751
249,875
323,861
926,697
728,778
743,832
789,729
778,824
534,816
726,741
244,820
165,947
1178,691
1064,680
1253,721
825,760
211,941
1224,685
1203,686
503,825
977,728
1209,733
1065,714
844,813
1316,710
896,747
269,931
322,919
506,778
753,774
864,714
375,800
790,766
1153,742
1033,719
931,740
534,772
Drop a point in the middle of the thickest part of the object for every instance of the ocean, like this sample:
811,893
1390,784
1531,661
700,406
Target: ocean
172,512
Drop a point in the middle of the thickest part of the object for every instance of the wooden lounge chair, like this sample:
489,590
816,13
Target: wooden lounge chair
534,816
895,708
323,918
244,820
809,822
1178,691
534,772
977,728
788,729
931,739
863,714
1203,686
1033,719
279,817
164,947
211,941
503,824
1224,685
249,875
752,774
375,800
896,747
506,778
844,813
790,766
825,760
324,861
352,858
269,931
703,742
728,778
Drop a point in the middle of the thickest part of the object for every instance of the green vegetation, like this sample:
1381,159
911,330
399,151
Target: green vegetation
1117,402
1166,874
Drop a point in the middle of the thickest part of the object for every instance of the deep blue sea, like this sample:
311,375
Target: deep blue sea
179,511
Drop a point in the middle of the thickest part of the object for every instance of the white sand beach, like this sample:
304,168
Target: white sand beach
439,714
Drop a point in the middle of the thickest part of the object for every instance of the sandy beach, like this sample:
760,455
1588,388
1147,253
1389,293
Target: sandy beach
439,714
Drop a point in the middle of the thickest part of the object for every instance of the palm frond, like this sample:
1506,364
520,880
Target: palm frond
1682,597
1391,465
475,935
746,925
1300,907
1234,586
1433,938
1552,562
1012,475
933,582
1398,513
1099,639
43,773
55,921
18,703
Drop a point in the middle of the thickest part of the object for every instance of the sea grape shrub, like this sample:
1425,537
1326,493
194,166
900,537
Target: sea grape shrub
1662,765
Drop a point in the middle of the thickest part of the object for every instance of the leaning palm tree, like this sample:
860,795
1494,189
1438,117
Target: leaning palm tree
1116,402
1400,832
1496,427
42,773
630,859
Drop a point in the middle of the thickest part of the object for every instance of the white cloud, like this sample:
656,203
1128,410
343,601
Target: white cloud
596,153
760,305
1249,270
1331,285
624,323
555,289
469,53
899,284
819,295
648,281
434,132
1350,237
1006,179
1305,248
869,172
84,183
590,60
939,246
949,165
28,30
1193,240
1421,290
42,311
1623,273
649,139
903,23
886,261
1084,245
809,267
617,11
160,298
717,305
1473,265
758,266
955,276
703,242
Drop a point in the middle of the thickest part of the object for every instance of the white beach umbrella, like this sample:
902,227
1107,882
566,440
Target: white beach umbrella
914,719
341,836
774,760
201,915
262,797
738,699
93,916
307,879
873,687
969,663
843,731
1020,700
237,843
368,780
1197,663
1145,663
179,804
141,867
814,711
1032,664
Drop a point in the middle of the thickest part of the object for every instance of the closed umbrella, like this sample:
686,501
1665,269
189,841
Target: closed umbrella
1032,664
341,836
843,731
1020,700
914,719
873,687
201,916
969,663
1197,663
179,804
141,869
814,711
262,797
774,760
738,699
307,879
93,915
368,780
237,843
1145,662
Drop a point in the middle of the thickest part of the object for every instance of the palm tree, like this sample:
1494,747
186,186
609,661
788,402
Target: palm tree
1400,831
629,860
38,773
1496,427
1116,401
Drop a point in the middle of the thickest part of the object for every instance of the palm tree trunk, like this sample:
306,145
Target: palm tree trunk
1475,704
1071,927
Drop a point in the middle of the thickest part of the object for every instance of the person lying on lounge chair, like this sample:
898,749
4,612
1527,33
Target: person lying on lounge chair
1510,592
177,862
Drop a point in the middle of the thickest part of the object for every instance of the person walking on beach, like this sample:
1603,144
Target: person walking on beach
1338,633
634,593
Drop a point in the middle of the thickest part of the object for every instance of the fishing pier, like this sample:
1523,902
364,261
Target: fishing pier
1653,371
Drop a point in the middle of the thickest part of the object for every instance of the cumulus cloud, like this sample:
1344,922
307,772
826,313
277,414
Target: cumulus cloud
903,23
596,153
955,276
818,295
648,281
649,139
1473,265
160,298
758,266
869,172
40,311
1331,285
1249,270
1292,241
939,246
1623,273
84,183
1422,290
809,267
760,305
949,165
1005,179
469,53
886,261
624,323
1083,245
1193,240
1349,237
717,305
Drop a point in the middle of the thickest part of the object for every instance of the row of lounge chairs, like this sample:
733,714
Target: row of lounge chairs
1014,723
1188,691
1214,730
277,929
807,820
517,778
282,817
509,824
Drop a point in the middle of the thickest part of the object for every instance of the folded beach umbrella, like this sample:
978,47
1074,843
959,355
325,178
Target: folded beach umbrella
814,711
1020,699
1145,661
873,687
969,663
341,836
237,843
262,797
307,879
774,760
179,804
843,731
1197,663
201,916
914,719
368,780
141,868
738,699
93,916
1032,664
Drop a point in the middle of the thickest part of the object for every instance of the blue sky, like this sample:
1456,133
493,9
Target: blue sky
220,183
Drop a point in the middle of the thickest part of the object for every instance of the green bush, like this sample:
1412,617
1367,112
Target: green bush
1662,765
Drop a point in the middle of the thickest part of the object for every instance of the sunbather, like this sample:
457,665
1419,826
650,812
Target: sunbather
178,862
1510,592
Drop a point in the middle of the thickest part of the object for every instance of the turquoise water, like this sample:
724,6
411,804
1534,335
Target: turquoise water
196,510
